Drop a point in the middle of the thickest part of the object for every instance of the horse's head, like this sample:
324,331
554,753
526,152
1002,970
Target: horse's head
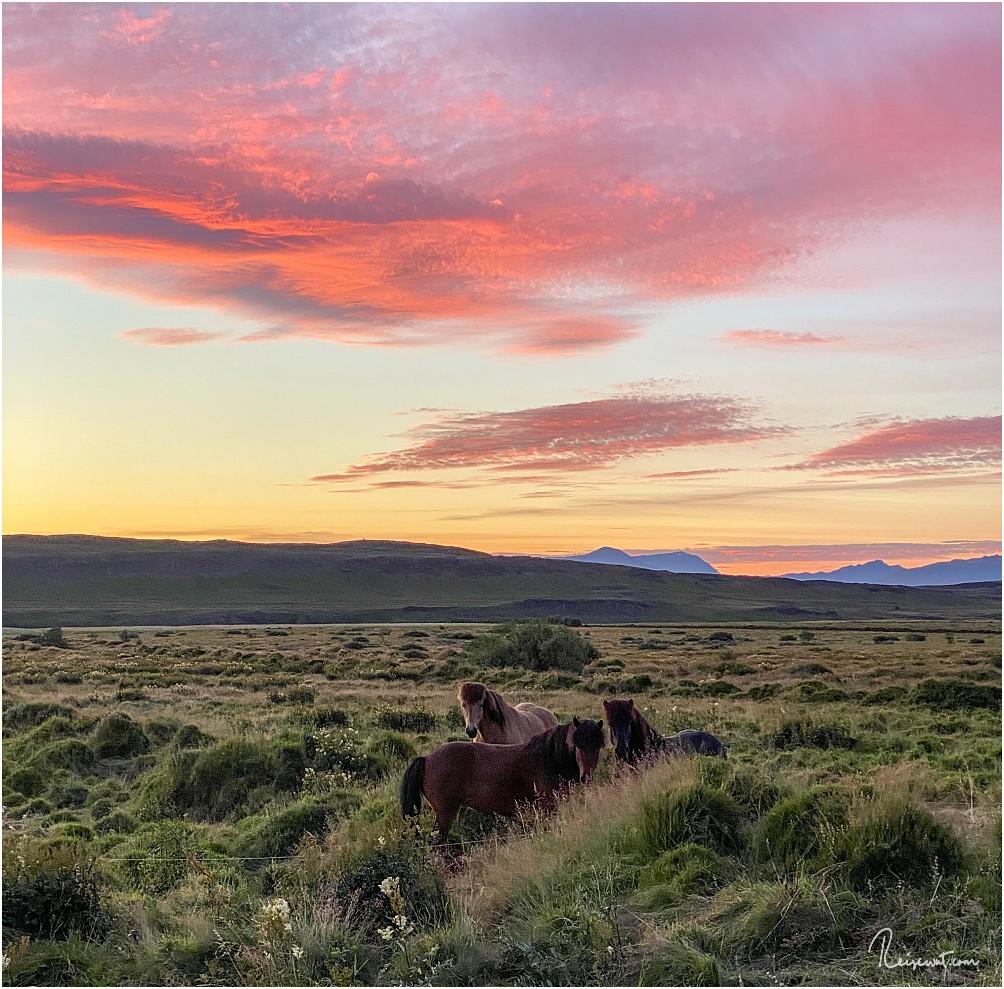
585,738
477,702
472,699
620,717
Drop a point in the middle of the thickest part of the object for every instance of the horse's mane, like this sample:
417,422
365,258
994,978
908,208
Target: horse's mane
552,746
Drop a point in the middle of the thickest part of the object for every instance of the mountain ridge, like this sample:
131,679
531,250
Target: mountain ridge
95,581
943,573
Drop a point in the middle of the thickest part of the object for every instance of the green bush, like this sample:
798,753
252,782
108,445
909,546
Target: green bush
803,734
26,781
279,833
698,814
680,872
66,753
19,717
885,695
228,780
119,737
53,637
802,828
898,842
425,896
956,695
532,644
52,895
413,721
390,745
155,858
160,732
192,737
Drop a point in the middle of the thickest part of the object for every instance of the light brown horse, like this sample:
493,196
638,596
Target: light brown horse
490,718
499,779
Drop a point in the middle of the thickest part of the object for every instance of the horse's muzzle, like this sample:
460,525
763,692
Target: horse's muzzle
472,732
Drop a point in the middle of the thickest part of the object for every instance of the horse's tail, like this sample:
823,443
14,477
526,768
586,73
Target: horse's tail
411,787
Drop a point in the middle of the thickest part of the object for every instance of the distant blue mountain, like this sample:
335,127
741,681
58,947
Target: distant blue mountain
678,562
973,571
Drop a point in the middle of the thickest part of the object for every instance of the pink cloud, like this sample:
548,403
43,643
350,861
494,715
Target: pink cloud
915,447
412,176
157,336
579,436
780,339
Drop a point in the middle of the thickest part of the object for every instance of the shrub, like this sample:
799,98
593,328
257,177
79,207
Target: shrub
27,781
279,833
680,872
532,644
391,745
799,734
897,841
160,732
22,716
192,737
51,895
53,637
764,691
734,669
811,669
66,753
802,828
424,893
885,695
721,637
119,737
118,821
328,717
879,639
413,721
226,780
719,688
698,814
956,695
155,858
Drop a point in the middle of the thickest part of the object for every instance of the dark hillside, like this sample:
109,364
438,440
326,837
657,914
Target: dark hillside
89,580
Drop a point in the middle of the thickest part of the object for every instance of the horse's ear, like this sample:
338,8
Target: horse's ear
630,702
575,721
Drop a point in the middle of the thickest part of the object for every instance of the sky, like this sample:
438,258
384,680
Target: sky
523,278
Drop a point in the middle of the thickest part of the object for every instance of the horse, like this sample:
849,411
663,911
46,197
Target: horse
499,779
635,740
489,718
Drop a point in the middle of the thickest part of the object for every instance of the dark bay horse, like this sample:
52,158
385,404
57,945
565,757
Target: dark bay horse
635,740
488,717
499,779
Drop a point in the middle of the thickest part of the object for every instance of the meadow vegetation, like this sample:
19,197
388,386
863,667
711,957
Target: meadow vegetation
219,806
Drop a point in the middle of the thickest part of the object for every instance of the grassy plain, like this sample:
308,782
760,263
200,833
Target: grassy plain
218,805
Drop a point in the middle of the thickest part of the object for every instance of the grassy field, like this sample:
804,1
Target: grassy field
218,806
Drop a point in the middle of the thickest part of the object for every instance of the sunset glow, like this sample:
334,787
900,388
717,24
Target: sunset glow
516,277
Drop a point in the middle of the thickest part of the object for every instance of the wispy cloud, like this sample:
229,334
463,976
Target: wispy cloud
160,336
780,339
919,446
579,436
